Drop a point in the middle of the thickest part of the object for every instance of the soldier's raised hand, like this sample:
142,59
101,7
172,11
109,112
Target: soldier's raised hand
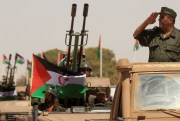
152,18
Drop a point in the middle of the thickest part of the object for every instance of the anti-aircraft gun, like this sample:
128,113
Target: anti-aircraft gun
74,66
8,85
10,105
75,41
75,105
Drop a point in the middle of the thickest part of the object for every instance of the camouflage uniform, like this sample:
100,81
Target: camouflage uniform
161,49
44,107
53,102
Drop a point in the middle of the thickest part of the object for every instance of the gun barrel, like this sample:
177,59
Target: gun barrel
8,67
85,12
73,14
73,11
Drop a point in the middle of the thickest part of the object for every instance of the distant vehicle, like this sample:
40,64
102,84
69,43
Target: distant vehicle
147,92
12,98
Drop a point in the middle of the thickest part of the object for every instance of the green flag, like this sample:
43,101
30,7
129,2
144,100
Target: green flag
5,60
20,59
45,73
136,45
99,49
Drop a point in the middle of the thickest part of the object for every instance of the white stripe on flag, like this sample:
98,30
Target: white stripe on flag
58,79
10,93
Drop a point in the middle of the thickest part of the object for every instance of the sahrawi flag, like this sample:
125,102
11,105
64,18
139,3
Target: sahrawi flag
99,48
45,73
19,59
61,60
5,60
136,45
43,56
8,94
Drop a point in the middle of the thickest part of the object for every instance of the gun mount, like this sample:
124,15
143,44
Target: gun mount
77,56
8,85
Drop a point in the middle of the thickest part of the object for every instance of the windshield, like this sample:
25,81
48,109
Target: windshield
157,91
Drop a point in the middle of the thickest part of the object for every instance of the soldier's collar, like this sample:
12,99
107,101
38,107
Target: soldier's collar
172,34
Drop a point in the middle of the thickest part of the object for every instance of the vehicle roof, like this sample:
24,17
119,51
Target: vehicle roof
162,66
75,117
15,106
124,64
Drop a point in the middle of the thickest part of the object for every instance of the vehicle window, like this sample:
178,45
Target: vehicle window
157,91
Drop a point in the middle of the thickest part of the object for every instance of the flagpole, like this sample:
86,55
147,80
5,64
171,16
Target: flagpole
58,61
27,82
27,77
134,58
100,58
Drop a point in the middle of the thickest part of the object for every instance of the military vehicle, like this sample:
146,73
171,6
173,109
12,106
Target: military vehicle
86,112
147,92
79,109
13,101
23,110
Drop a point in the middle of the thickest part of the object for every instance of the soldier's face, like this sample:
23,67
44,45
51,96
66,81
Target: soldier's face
86,71
101,97
164,21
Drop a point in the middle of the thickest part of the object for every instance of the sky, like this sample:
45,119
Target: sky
35,26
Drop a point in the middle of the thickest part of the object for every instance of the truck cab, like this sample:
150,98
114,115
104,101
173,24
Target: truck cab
147,92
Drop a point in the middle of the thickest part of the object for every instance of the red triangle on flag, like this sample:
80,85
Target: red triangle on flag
59,58
40,75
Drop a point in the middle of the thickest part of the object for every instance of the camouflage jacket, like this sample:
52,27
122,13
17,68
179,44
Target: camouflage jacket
161,49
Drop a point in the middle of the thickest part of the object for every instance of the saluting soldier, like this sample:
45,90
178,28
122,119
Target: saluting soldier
163,41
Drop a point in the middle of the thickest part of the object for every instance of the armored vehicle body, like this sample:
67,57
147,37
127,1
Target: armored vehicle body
147,92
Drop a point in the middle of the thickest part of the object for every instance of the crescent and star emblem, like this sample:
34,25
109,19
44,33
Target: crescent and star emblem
59,80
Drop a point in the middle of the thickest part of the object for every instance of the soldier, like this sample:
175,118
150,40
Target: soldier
51,102
86,68
22,95
163,41
100,99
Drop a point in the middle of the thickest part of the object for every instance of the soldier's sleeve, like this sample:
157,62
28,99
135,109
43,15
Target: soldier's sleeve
146,36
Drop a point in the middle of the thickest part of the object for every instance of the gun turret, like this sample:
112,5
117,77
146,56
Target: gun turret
8,67
83,32
13,71
74,67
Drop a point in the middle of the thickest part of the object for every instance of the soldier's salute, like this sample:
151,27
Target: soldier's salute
163,41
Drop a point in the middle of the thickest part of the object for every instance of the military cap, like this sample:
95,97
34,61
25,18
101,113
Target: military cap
101,91
85,64
51,89
168,11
